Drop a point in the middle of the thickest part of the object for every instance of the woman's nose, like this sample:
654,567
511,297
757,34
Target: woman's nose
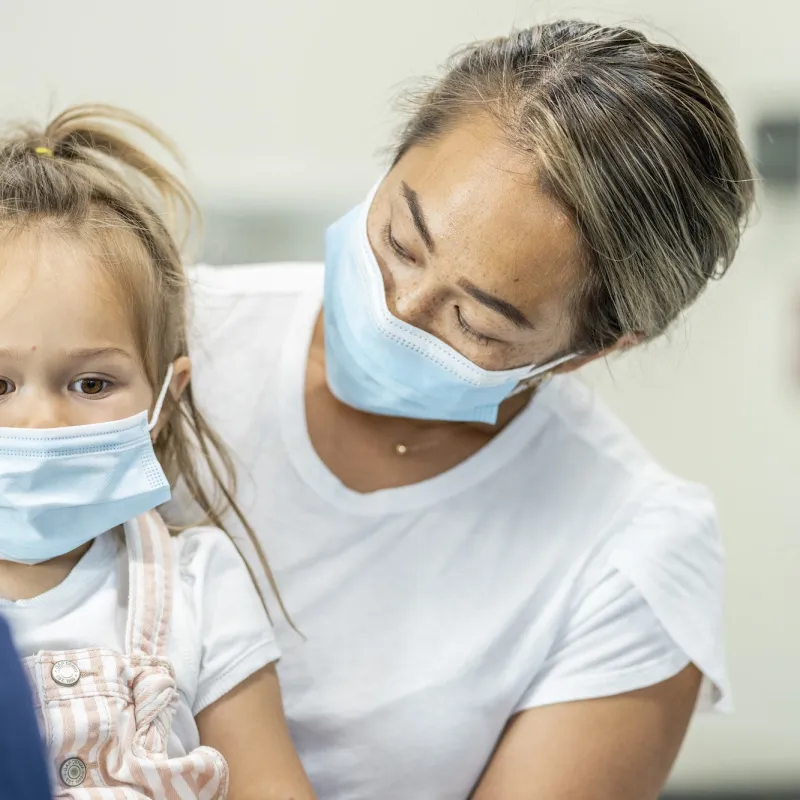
414,301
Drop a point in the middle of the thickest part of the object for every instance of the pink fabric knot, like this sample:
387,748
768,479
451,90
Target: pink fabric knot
155,697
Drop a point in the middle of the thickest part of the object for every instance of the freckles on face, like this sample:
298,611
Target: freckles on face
525,252
490,226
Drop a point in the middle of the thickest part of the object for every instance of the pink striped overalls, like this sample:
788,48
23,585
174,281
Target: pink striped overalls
106,716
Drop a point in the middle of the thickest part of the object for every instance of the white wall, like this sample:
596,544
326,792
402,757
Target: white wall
286,103
268,97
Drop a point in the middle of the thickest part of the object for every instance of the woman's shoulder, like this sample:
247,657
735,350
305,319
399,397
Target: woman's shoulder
591,454
658,527
643,545
278,278
244,312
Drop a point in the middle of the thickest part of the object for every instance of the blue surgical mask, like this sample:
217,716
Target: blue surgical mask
379,364
63,487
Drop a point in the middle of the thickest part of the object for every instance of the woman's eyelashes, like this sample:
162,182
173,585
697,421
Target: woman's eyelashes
395,246
404,255
470,332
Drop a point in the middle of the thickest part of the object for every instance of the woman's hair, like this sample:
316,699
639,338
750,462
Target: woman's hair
633,139
83,178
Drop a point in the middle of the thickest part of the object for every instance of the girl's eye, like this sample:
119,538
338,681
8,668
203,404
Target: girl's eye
6,387
395,246
91,386
470,331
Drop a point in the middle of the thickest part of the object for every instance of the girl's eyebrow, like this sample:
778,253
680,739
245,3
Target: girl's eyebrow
10,353
84,353
79,354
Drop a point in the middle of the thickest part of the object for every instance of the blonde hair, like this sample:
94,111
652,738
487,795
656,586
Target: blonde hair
83,177
634,140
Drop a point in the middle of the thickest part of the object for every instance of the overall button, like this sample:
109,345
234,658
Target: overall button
65,673
73,772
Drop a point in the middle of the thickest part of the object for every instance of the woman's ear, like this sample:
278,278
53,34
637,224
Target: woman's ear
625,342
181,375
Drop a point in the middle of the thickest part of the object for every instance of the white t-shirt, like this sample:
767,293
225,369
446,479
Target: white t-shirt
558,563
219,631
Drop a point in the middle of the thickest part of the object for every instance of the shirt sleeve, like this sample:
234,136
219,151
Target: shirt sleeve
654,606
234,631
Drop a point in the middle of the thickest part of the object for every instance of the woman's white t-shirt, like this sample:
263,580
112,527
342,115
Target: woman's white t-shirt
558,563
219,631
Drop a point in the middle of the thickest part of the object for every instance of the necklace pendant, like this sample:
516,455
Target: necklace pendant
400,449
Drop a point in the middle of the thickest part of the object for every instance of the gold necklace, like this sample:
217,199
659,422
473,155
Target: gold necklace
403,449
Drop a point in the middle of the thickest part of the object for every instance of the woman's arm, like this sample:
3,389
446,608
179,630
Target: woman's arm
248,727
613,748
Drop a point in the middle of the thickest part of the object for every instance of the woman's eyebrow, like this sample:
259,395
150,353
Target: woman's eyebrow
412,198
496,304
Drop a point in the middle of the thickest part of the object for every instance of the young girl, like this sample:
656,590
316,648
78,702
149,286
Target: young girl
151,657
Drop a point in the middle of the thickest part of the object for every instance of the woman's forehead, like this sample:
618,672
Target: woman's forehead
487,214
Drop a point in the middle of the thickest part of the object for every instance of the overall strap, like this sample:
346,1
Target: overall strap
150,591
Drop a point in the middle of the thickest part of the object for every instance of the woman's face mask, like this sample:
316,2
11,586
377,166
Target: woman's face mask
416,325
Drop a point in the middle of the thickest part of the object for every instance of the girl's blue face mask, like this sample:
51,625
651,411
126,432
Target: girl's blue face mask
63,487
379,364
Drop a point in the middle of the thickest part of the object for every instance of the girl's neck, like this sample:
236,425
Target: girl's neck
25,581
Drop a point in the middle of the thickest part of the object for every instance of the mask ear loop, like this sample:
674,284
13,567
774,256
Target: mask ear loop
541,373
162,395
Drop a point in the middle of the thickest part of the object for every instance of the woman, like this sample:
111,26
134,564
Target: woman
501,594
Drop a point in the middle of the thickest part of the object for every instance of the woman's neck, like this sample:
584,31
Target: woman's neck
368,452
25,581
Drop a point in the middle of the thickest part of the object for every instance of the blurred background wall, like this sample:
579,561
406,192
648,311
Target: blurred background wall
282,108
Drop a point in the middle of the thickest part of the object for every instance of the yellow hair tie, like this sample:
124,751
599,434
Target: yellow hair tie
44,151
